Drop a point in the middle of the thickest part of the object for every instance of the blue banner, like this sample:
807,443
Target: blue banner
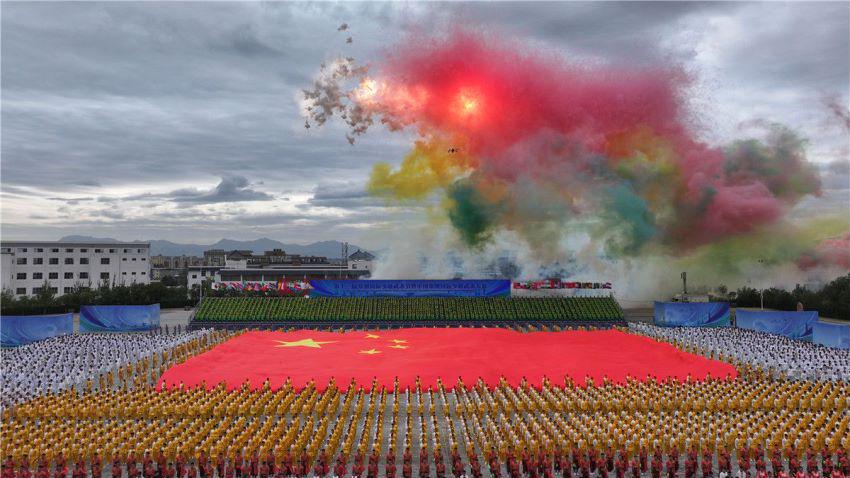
832,335
791,324
118,318
18,330
410,288
692,314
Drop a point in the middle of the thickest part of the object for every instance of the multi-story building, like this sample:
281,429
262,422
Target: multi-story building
277,265
160,261
27,266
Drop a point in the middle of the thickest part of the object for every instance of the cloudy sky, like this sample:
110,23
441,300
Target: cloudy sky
180,121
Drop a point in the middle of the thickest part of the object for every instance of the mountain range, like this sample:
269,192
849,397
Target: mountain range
329,249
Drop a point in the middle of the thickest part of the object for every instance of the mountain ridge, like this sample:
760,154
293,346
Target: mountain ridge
329,249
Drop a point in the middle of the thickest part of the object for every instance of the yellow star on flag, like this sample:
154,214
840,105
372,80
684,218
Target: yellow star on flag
303,343
399,341
372,336
370,352
399,346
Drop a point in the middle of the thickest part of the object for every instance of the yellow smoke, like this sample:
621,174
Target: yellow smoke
430,165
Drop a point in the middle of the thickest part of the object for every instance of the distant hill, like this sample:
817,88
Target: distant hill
329,249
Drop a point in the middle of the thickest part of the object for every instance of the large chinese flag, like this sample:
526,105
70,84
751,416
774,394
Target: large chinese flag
446,353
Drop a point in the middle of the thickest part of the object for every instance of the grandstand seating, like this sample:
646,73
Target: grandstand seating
245,309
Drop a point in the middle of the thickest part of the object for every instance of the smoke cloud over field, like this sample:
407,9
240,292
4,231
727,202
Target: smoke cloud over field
574,168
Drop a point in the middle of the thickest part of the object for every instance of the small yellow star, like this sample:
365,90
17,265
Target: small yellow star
370,352
399,346
303,343
372,336
399,341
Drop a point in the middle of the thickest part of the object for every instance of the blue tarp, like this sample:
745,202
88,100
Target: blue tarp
118,318
791,324
410,288
18,330
692,314
832,335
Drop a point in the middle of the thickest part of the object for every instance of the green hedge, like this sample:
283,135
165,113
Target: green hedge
389,309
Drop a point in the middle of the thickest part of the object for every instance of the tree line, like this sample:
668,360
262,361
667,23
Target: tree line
832,301
47,302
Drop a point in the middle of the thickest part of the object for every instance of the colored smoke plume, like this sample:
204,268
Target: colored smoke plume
519,141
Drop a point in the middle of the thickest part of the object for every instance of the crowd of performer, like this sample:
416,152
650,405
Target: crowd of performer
773,425
109,421
776,354
75,361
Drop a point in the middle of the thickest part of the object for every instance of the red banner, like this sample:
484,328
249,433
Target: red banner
446,353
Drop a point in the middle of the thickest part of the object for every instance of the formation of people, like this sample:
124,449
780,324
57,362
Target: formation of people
88,360
491,430
776,354
109,420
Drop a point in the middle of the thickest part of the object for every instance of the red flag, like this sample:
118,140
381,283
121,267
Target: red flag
446,353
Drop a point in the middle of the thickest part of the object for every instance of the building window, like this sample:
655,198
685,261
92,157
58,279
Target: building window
67,290
133,273
84,260
22,276
69,250
69,260
22,249
134,258
144,259
54,290
98,251
53,261
104,275
69,275
84,275
139,251
21,291
194,276
22,261
126,251
144,273
123,273
38,260
37,290
54,250
84,250
52,275
124,259
112,251
39,249
104,260
37,275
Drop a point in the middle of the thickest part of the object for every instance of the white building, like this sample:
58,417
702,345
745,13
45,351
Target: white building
26,265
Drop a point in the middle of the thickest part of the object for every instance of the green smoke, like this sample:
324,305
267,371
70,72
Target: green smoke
470,213
628,220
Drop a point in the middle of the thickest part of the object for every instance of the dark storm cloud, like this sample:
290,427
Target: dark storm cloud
230,189
346,195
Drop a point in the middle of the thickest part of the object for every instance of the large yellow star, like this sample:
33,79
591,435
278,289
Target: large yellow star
372,336
370,352
399,341
303,343
399,346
